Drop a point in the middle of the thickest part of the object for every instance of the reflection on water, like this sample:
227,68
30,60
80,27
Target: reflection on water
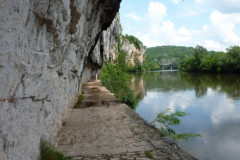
138,87
213,100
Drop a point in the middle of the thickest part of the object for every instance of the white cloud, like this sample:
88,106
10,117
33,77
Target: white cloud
161,31
192,11
133,16
224,25
156,13
226,6
212,45
157,10
219,34
176,1
149,41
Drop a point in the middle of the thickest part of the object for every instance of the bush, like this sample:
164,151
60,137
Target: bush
79,101
47,152
117,81
148,154
168,118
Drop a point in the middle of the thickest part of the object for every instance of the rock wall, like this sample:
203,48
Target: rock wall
106,49
111,41
44,48
133,52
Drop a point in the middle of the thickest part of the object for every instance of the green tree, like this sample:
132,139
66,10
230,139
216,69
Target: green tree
169,118
234,58
199,53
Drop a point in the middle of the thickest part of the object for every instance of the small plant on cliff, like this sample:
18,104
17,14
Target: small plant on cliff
79,101
47,152
169,118
137,43
148,154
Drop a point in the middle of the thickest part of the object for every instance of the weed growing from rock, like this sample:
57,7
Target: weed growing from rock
47,152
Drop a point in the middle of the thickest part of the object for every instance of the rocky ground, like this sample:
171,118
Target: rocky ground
102,128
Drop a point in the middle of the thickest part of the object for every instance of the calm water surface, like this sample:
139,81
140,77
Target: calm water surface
213,101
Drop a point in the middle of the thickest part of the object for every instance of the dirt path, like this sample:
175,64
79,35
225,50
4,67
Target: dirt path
102,128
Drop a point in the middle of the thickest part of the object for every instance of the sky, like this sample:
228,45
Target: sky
213,24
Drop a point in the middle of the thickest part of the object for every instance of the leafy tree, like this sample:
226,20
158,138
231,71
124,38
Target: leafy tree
234,58
121,60
204,61
199,54
169,118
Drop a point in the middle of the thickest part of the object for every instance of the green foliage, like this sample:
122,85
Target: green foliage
169,52
137,43
47,152
121,60
199,54
150,65
79,101
148,154
115,78
204,61
168,118
174,54
196,59
137,68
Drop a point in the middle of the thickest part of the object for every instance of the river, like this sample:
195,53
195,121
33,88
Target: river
213,101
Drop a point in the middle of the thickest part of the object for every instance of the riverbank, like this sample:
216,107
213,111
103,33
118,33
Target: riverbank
103,128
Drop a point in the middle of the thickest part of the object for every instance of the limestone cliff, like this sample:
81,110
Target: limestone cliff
133,52
106,49
111,41
44,48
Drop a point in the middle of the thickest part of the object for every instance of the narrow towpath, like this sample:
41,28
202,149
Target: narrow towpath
102,128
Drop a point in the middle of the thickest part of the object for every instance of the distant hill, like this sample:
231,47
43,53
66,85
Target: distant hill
168,56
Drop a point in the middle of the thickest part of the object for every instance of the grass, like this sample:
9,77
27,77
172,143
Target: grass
79,101
47,152
148,154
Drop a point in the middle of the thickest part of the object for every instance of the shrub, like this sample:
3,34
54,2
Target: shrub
168,118
148,154
79,101
47,152
117,81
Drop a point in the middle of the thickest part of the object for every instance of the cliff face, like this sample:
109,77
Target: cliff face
133,52
106,49
45,46
109,43
110,39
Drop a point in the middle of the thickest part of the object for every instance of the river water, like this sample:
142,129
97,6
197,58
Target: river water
213,101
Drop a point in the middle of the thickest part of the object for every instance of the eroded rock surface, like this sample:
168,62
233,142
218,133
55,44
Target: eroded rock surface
111,42
44,46
106,129
133,52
